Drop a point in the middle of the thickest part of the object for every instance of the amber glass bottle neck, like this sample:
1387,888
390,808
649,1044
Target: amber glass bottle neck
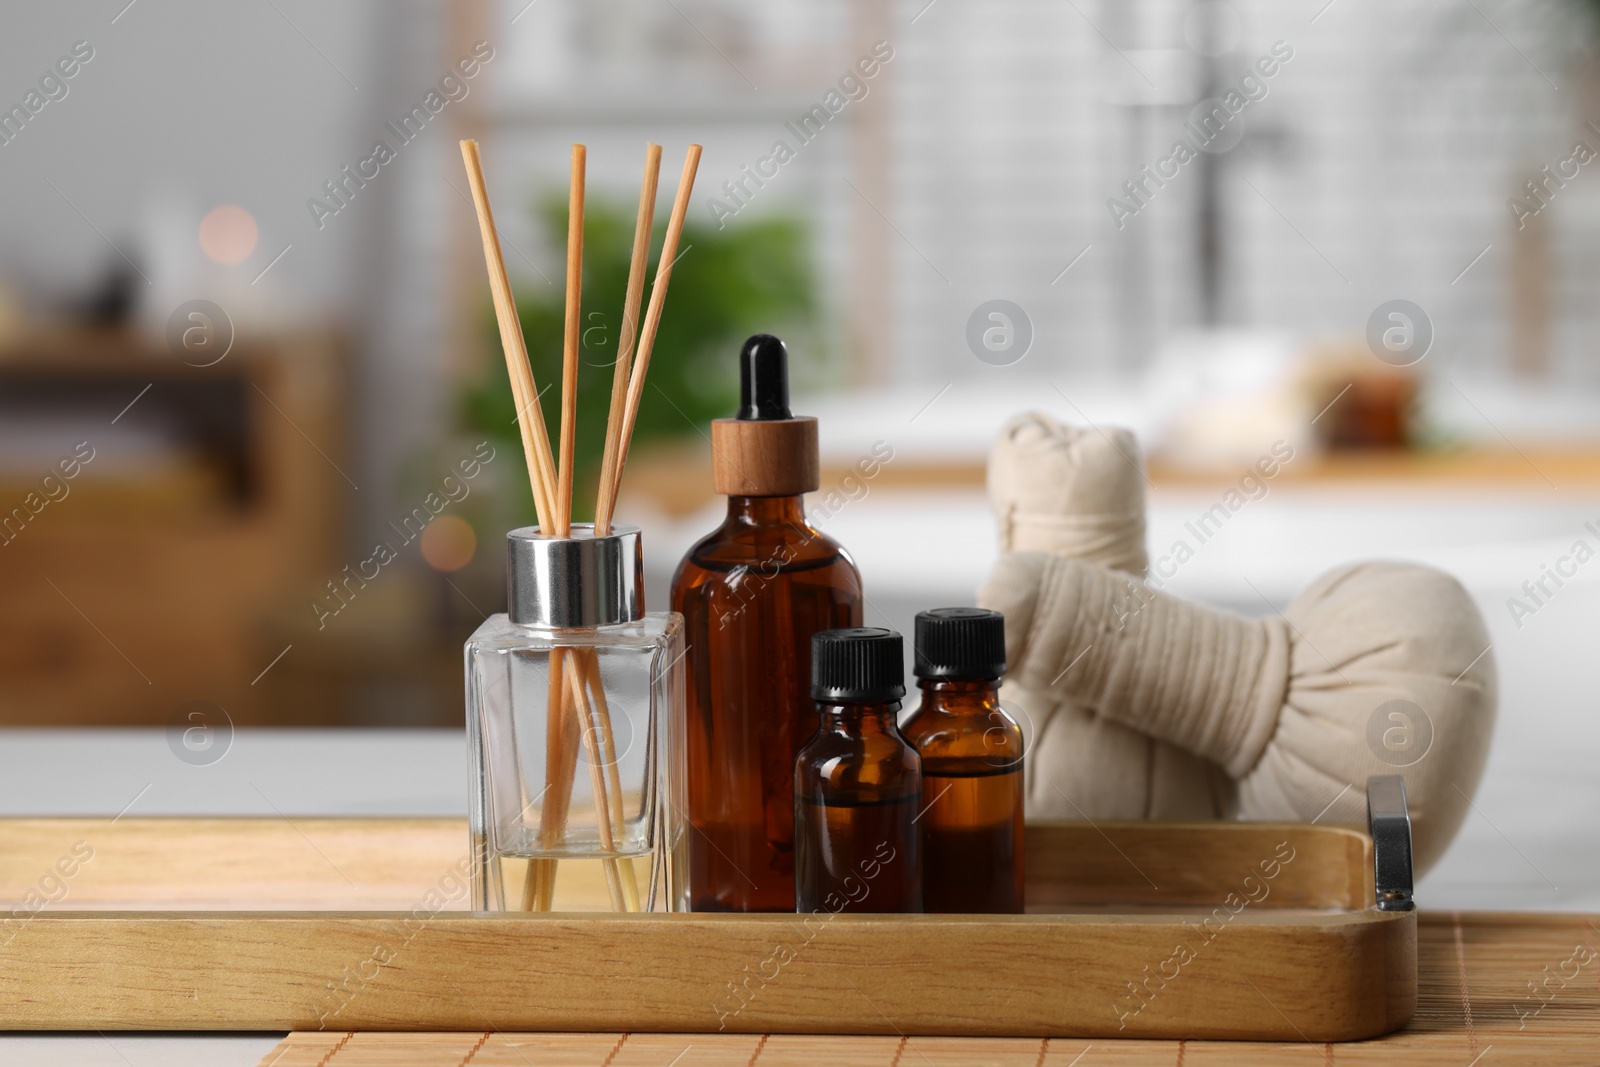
766,510
958,696
860,718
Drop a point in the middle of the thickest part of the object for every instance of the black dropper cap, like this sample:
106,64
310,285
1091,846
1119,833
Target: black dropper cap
960,644
763,379
858,665
765,451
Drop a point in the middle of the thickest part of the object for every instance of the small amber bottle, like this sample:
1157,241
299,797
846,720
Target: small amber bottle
971,765
752,593
858,786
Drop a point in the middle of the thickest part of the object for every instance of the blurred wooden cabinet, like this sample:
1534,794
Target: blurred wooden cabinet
213,495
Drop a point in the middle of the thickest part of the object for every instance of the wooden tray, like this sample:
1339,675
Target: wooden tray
1473,1008
347,925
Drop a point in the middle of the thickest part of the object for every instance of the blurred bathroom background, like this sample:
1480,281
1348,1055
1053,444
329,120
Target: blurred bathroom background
256,446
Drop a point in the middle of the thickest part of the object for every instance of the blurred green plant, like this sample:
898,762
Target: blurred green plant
726,285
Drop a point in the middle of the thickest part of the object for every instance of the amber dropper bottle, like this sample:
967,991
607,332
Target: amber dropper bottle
971,765
752,593
857,783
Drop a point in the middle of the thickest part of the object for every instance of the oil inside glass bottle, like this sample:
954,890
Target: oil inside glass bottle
752,594
972,760
858,784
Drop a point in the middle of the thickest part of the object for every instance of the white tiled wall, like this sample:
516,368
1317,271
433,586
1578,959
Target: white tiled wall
1378,165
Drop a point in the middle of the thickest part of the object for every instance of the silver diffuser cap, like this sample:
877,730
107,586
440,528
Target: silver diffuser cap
576,581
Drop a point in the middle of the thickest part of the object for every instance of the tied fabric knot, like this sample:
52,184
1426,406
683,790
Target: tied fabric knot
1221,680
1115,541
1123,683
1079,493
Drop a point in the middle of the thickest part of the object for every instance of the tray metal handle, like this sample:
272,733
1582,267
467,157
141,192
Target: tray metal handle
1389,822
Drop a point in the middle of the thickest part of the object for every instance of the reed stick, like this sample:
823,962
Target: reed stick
625,408
554,514
571,332
531,428
595,721
524,392
561,761
638,266
589,665
592,731
538,890
652,318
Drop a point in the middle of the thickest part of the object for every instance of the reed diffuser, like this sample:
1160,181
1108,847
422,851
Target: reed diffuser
576,671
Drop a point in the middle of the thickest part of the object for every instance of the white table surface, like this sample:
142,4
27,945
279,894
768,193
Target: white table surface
99,772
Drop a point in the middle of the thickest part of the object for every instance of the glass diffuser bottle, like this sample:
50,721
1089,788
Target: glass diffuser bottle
574,700
752,594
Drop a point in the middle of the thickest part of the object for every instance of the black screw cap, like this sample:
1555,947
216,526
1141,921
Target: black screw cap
960,644
857,665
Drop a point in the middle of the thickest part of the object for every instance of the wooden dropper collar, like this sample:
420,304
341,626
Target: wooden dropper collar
765,450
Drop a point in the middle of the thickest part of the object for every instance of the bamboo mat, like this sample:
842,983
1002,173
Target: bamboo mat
1476,1003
